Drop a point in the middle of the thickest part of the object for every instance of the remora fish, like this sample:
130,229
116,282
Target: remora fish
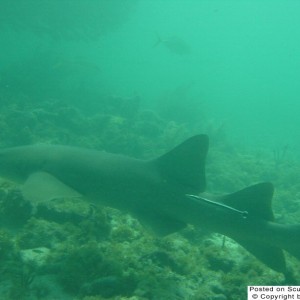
164,193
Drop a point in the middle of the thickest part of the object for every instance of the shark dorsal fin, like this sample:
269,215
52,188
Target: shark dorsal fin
255,199
185,164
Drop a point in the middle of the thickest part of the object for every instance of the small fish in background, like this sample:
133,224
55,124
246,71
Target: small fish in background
174,44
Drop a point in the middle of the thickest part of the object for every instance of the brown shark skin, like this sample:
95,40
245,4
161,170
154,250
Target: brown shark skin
151,193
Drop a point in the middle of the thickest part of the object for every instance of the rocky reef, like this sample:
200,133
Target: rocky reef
69,249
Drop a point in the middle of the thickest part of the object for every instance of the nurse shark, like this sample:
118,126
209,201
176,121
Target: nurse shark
165,194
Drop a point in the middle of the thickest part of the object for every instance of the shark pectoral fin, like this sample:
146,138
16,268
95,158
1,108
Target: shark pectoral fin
271,256
160,225
42,187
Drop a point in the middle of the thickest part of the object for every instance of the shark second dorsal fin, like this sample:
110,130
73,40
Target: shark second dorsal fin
255,199
185,164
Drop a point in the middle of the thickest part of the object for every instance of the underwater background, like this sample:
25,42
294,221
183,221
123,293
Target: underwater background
138,77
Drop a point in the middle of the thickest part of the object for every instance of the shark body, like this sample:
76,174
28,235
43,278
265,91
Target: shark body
157,192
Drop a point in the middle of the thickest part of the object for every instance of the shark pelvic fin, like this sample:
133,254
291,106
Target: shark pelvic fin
185,164
160,225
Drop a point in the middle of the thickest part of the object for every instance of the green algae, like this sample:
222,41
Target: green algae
83,265
14,209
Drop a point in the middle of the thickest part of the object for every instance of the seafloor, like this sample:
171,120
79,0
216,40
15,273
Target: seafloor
68,249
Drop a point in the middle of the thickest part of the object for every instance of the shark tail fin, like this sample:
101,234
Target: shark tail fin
185,164
257,200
